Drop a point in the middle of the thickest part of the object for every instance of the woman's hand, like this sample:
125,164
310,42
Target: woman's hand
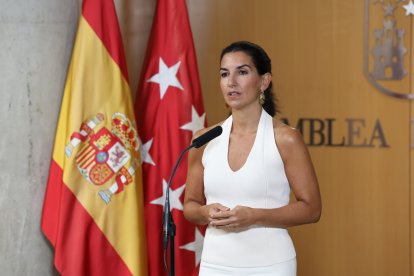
235,219
213,210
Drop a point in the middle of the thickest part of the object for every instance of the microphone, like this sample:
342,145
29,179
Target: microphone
207,137
168,223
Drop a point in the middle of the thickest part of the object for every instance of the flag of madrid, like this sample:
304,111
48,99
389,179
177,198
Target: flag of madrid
169,109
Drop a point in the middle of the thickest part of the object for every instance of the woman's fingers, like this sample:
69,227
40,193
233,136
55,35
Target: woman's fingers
221,214
221,223
222,208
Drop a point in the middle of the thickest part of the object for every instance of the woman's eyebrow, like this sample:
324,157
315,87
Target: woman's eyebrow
244,65
238,67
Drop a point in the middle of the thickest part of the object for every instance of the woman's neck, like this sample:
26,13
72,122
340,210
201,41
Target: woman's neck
246,120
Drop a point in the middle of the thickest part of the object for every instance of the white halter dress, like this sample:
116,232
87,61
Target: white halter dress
260,183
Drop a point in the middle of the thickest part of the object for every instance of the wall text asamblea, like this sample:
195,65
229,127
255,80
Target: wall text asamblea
322,132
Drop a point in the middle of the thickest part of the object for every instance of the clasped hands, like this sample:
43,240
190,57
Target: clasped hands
222,217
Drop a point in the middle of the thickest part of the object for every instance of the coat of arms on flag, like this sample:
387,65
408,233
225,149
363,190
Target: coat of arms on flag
103,157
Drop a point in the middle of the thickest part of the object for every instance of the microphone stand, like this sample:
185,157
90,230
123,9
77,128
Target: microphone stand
168,222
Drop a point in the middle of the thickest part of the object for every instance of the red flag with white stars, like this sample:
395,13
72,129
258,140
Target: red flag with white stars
169,109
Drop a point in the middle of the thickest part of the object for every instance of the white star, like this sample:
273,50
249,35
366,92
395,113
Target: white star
175,201
166,77
196,246
197,122
144,150
409,8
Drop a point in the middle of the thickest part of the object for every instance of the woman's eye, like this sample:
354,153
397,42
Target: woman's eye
224,74
243,72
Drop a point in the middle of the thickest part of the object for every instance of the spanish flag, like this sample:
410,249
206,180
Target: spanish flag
93,207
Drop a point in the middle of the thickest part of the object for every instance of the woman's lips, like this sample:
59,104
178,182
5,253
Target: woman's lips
233,94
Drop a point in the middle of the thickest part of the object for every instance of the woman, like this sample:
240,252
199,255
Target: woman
239,183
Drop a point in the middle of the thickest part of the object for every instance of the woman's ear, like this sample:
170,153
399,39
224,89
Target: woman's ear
266,79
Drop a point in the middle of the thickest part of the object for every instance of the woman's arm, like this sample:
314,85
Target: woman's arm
303,182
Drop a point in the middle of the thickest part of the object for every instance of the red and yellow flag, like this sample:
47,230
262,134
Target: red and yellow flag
93,208
169,107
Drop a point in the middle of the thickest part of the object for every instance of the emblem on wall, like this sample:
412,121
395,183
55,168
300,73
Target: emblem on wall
387,40
105,157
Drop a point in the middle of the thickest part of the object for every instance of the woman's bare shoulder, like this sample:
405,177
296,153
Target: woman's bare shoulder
286,136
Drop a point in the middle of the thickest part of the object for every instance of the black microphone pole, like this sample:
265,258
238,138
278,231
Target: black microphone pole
168,222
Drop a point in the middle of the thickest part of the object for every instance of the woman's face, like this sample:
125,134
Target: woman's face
240,82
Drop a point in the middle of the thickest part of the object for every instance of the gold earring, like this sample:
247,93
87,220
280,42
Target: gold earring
262,98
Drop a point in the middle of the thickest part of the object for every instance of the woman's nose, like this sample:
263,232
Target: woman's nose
231,80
